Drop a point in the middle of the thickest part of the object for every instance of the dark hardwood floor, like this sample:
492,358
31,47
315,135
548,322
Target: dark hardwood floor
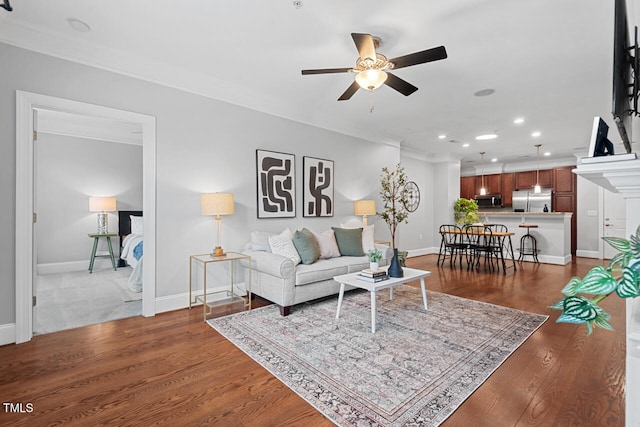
173,369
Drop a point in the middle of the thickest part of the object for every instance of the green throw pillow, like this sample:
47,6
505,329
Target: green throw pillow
306,245
349,241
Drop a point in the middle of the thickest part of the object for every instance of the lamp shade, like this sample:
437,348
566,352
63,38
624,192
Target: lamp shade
371,79
102,204
364,207
216,204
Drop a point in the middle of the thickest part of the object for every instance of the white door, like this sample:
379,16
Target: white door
615,219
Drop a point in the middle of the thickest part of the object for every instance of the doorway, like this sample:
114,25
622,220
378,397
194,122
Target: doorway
614,220
26,103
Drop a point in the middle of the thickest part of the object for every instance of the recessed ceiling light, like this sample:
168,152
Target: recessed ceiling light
442,136
486,137
465,145
535,134
547,154
485,92
78,25
494,160
519,121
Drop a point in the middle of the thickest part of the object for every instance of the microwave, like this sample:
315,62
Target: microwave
489,201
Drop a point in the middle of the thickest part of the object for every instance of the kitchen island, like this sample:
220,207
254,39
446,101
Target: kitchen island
553,233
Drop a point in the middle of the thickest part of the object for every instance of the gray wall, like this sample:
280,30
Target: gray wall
69,170
203,145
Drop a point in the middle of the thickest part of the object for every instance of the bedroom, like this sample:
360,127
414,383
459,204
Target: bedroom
78,157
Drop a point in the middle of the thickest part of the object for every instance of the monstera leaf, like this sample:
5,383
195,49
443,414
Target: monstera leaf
621,276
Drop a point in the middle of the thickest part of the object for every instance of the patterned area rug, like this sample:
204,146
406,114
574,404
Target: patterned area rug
415,370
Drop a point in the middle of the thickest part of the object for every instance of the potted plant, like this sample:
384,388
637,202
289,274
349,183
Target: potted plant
621,276
465,211
394,200
374,256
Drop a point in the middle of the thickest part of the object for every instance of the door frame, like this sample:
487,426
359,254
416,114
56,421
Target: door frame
25,103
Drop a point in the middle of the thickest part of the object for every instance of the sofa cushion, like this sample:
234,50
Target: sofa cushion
282,244
323,269
349,241
306,245
327,243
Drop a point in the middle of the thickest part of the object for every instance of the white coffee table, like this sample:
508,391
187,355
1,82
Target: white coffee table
410,274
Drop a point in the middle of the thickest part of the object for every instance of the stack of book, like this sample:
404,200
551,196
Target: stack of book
369,275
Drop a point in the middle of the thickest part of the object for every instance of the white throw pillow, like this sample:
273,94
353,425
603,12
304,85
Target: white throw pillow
282,244
368,239
137,225
260,241
327,242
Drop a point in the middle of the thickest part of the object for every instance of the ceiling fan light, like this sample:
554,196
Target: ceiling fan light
371,79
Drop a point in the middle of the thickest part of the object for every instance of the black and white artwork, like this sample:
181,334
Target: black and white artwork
276,184
317,197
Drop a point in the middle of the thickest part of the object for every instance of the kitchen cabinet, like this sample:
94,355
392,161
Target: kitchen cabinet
564,181
527,180
492,183
508,185
467,187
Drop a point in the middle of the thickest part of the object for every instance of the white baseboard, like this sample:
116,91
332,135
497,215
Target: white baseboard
7,333
545,259
588,254
180,301
63,267
422,251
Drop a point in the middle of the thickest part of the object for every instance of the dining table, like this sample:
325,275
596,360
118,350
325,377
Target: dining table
504,239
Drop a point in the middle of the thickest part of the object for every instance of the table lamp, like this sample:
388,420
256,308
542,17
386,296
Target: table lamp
364,208
217,204
102,205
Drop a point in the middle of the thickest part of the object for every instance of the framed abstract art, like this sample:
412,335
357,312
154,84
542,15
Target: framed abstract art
275,174
317,194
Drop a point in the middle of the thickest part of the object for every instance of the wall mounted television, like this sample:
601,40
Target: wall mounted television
626,71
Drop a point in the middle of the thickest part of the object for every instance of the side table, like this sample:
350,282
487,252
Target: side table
205,259
96,237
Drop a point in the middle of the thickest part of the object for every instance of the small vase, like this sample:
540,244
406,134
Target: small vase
374,266
394,268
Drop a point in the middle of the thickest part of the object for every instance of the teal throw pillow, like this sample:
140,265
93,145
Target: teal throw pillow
306,245
349,241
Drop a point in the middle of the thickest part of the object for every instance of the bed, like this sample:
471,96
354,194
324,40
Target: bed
130,231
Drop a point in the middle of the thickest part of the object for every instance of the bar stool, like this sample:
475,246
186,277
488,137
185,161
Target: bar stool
528,243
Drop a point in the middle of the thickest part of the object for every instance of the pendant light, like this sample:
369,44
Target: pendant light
537,188
483,190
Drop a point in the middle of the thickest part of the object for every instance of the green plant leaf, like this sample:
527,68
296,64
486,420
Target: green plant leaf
565,318
635,244
580,308
558,305
603,322
570,288
597,281
628,283
618,258
618,243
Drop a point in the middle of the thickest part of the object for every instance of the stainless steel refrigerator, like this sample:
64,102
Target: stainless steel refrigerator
528,201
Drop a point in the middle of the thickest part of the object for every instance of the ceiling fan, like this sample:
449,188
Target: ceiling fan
372,69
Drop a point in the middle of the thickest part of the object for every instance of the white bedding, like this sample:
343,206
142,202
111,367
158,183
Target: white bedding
134,259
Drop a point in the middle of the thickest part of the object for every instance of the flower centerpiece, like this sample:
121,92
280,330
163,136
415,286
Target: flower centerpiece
395,201
621,276
465,211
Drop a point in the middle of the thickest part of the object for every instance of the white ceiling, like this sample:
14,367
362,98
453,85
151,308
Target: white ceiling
548,61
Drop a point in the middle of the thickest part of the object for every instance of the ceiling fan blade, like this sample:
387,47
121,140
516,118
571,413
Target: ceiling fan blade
428,55
349,92
326,71
364,43
402,86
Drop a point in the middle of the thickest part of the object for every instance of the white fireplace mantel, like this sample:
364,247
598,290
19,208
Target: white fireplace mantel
623,177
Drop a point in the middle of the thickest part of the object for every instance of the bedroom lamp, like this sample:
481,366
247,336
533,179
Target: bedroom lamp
364,208
102,205
217,204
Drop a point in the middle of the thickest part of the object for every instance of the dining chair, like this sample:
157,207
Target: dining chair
480,245
498,243
452,243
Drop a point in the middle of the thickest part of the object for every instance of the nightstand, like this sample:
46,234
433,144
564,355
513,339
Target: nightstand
207,300
96,237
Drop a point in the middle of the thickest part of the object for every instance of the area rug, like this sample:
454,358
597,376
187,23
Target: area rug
415,370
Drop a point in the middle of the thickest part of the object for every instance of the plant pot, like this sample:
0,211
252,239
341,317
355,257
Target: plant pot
374,266
394,268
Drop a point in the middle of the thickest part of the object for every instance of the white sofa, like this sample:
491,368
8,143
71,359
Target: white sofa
279,279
